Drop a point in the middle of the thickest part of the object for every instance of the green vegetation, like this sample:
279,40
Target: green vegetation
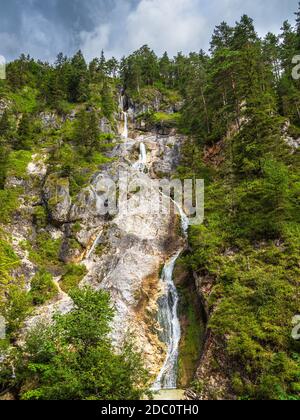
17,164
72,277
9,204
193,333
46,369
250,241
235,105
44,251
43,288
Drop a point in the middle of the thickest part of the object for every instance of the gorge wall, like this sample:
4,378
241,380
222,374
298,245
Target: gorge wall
123,253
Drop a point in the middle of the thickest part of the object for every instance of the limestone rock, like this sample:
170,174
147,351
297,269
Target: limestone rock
57,196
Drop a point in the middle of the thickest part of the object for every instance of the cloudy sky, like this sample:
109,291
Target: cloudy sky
43,28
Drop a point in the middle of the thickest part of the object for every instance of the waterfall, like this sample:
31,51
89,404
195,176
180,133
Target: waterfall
125,131
95,244
168,318
168,303
141,164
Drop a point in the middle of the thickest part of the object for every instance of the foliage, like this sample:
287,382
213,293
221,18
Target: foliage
42,288
72,277
44,251
46,369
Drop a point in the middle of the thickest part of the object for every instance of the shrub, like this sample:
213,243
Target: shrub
72,277
42,288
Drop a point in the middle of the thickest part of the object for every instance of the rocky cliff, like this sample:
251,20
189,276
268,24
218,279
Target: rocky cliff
123,252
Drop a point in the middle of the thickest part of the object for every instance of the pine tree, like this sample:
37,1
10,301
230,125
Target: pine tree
108,102
222,37
165,70
244,33
271,51
3,162
298,26
4,124
112,67
79,79
24,137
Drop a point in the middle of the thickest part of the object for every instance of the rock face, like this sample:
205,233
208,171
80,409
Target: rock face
293,142
50,120
214,380
123,251
105,126
57,196
132,248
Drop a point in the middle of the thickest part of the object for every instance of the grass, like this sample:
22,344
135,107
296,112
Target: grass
45,251
8,204
17,164
72,277
8,260
162,117
25,101
43,288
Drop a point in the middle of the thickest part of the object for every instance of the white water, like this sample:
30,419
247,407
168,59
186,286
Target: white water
125,131
167,379
168,316
95,244
141,164
168,305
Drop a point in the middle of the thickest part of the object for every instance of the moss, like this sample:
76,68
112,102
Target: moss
74,245
193,327
43,288
162,117
8,204
100,249
8,262
72,277
17,164
76,228
44,251
40,217
191,344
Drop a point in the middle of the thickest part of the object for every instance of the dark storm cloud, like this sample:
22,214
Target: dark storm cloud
43,28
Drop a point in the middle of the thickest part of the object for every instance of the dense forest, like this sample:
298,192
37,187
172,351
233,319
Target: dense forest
240,113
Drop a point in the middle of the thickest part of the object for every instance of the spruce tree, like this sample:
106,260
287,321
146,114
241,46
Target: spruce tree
24,135
4,124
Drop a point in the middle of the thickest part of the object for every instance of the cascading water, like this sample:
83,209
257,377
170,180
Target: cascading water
168,319
168,304
125,131
141,164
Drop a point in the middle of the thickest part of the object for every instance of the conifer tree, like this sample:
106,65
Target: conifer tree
24,137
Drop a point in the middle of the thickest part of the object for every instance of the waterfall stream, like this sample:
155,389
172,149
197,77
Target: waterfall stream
169,320
141,164
125,131
168,304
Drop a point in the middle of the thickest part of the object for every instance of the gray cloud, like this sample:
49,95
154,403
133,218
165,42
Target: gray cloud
43,28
